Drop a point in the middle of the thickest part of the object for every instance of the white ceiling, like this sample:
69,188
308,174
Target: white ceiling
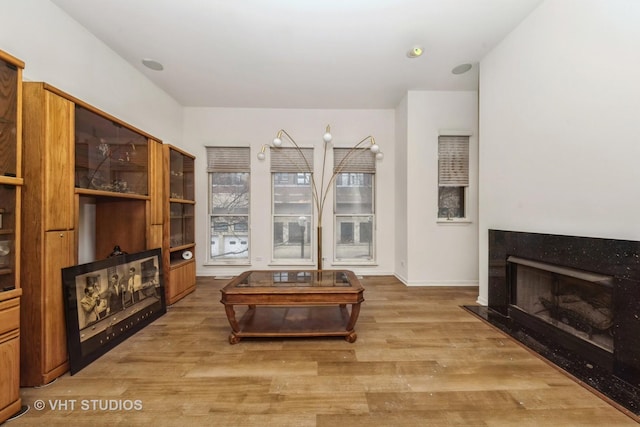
301,53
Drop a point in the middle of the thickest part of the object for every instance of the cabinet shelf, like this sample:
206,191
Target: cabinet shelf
111,194
10,180
176,260
182,247
176,263
10,293
5,271
184,201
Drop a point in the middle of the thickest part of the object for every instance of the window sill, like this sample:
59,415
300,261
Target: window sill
454,221
354,264
228,263
289,263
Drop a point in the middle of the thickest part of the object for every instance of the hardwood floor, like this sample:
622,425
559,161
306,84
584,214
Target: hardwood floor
419,360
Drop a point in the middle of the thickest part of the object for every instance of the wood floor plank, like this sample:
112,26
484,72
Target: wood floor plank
419,360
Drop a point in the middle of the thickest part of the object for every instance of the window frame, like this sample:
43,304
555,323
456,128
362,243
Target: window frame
237,161
355,165
297,163
454,168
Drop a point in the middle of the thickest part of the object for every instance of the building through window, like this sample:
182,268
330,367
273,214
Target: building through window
453,176
354,207
228,169
292,209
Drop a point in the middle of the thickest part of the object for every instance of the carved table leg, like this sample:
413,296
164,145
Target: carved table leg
234,339
231,316
355,312
353,318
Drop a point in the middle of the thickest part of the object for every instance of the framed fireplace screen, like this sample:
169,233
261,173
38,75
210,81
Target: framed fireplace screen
109,300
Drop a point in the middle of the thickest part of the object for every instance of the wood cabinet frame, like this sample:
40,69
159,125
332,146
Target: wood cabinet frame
10,299
51,217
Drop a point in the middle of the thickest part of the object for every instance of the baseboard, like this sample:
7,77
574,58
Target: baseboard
447,283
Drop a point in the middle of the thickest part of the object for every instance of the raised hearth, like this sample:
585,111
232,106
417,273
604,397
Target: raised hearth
573,300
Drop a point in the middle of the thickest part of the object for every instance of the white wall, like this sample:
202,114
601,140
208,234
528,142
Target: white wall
439,253
400,189
254,127
58,51
559,124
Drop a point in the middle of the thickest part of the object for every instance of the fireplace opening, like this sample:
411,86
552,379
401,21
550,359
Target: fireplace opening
577,302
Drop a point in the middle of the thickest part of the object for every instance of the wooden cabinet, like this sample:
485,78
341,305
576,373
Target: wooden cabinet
179,224
11,183
10,402
88,187
48,218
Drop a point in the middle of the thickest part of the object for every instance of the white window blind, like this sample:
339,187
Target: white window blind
453,161
291,160
228,159
358,160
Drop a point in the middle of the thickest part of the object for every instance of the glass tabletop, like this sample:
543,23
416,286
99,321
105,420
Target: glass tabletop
324,278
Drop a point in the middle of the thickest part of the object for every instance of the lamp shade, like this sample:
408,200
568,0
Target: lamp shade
277,142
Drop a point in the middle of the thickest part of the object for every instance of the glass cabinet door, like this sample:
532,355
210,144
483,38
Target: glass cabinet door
181,176
182,224
109,156
8,118
7,237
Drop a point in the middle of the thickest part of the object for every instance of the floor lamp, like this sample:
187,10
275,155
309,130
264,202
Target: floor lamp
319,189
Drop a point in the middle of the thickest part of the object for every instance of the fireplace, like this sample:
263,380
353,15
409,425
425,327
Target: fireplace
575,301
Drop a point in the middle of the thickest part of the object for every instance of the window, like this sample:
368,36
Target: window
292,200
453,176
354,208
228,169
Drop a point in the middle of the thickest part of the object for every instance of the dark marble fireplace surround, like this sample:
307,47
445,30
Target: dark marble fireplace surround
613,373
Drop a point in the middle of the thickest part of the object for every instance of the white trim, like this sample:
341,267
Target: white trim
444,283
453,132
354,263
401,278
454,221
288,263
226,263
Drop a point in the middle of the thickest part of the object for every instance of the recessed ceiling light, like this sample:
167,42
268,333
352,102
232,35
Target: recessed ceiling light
461,69
415,52
152,64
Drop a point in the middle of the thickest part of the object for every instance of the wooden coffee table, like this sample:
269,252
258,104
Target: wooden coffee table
293,304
